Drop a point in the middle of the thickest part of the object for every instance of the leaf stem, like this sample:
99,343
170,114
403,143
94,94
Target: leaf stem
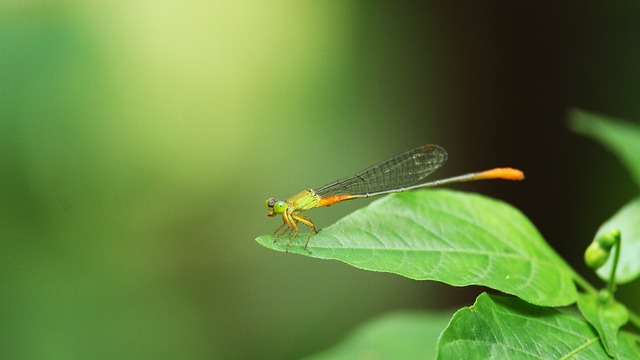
584,284
579,280
614,265
634,318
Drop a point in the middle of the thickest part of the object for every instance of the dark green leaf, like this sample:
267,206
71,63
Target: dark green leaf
393,336
622,138
508,328
457,238
606,316
627,220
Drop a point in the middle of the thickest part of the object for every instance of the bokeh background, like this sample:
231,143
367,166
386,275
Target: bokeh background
139,140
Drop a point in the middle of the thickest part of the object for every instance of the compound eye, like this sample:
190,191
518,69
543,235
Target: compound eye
270,202
279,207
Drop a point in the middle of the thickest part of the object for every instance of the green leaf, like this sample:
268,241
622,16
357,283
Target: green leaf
406,335
498,327
627,220
457,238
606,316
622,138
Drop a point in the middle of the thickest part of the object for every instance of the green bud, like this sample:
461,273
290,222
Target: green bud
608,239
595,256
604,295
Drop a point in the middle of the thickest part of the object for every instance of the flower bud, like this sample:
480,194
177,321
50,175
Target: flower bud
595,256
608,239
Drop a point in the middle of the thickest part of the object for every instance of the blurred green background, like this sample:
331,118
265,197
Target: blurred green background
140,139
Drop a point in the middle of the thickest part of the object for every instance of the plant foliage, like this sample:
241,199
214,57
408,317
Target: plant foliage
466,239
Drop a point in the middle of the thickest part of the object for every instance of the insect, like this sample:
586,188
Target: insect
397,174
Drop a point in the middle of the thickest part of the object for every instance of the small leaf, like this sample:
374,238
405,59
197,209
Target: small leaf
498,327
627,220
457,238
606,317
621,137
404,335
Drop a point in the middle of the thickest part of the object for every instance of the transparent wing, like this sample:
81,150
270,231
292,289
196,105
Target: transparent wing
399,171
